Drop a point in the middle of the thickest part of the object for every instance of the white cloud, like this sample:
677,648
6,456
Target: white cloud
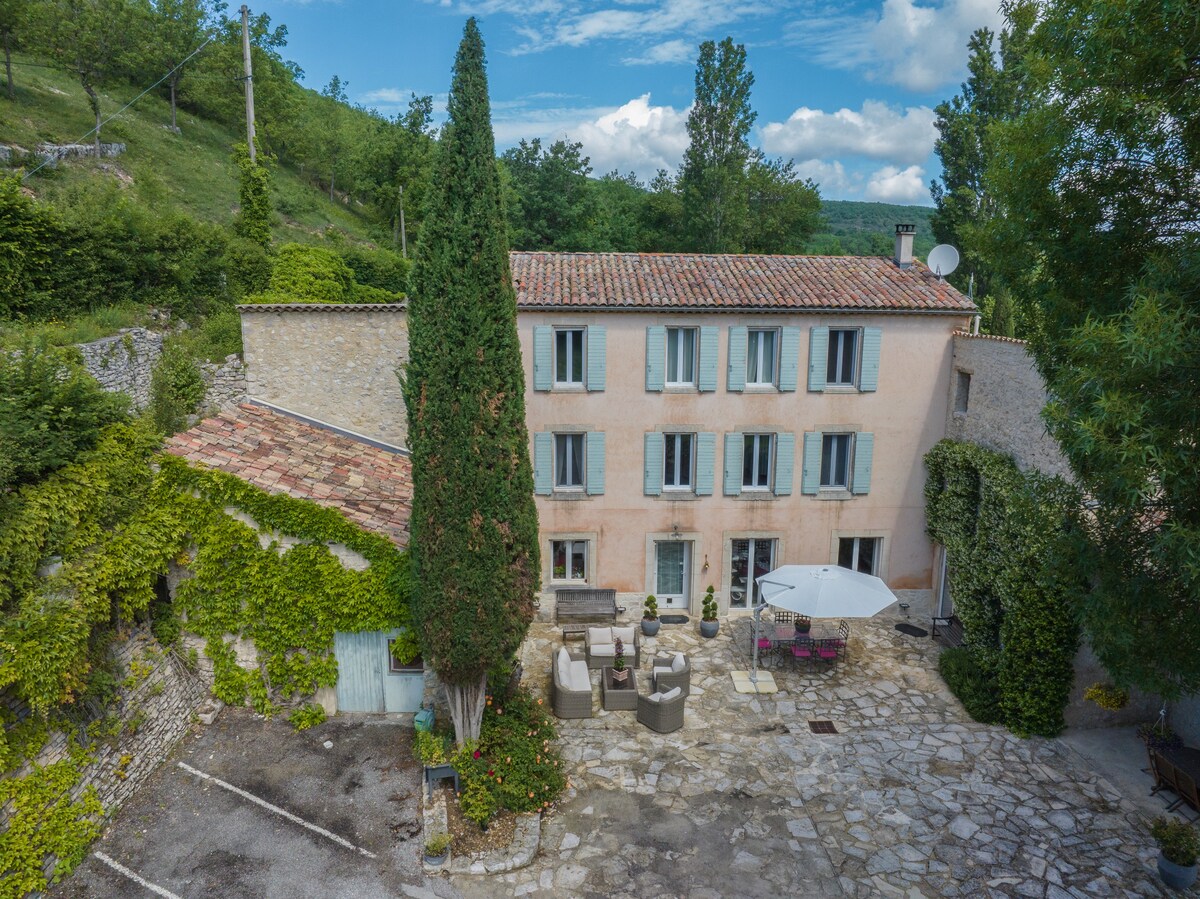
668,52
920,47
877,131
893,185
635,137
830,176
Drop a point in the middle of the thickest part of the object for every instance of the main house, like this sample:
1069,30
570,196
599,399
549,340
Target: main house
693,419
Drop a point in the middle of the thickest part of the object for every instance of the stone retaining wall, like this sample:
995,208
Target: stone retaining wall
226,383
124,362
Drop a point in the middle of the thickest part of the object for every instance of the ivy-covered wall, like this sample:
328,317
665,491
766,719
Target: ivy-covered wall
1012,549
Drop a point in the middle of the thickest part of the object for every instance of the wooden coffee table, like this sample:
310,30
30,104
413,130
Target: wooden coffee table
618,698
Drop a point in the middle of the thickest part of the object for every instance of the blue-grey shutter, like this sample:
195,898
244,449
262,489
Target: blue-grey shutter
543,463
706,460
785,460
789,358
733,463
737,358
810,471
709,339
543,357
656,357
652,464
818,358
595,463
864,449
868,377
596,346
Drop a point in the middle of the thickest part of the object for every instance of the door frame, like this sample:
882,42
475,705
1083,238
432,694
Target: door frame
697,569
682,600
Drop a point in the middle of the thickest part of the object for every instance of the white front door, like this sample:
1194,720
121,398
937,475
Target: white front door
672,562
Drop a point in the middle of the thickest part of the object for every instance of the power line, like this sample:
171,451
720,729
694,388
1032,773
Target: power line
186,59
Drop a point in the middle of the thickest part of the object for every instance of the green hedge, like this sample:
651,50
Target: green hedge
1012,545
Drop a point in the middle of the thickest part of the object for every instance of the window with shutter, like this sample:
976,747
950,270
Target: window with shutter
656,367
596,349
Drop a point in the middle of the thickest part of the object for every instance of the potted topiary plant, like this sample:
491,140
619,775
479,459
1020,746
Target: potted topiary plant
620,673
1179,847
709,625
650,622
437,849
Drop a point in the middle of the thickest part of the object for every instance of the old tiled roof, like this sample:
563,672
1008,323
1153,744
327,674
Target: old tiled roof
996,337
682,282
371,486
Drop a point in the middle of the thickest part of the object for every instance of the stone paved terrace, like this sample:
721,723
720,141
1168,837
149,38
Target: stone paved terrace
911,798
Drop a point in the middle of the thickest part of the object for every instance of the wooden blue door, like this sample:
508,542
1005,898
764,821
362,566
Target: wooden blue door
368,679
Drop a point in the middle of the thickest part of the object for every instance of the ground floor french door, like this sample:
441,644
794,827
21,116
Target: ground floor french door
749,559
672,573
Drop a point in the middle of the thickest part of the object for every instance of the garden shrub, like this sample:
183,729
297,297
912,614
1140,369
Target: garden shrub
308,715
303,274
1012,548
973,684
176,387
377,267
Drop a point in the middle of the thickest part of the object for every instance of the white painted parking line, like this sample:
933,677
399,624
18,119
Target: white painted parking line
140,881
283,813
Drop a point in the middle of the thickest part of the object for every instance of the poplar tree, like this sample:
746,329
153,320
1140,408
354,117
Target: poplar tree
474,530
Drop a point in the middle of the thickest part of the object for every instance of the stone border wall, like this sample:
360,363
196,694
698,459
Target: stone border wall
123,363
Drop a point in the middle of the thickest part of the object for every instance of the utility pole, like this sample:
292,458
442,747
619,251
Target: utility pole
403,236
249,80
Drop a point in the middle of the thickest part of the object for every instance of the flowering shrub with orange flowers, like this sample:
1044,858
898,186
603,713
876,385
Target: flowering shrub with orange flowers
516,757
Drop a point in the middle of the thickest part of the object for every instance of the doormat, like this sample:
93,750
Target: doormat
822,727
912,630
673,619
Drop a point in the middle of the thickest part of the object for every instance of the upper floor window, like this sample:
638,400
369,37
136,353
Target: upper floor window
841,368
761,350
681,357
568,357
677,461
568,461
757,457
835,461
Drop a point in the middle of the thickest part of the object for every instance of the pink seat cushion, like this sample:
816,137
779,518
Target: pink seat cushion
801,652
763,643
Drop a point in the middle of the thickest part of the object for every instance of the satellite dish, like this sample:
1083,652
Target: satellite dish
943,259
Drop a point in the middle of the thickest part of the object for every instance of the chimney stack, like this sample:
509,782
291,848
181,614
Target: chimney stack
904,245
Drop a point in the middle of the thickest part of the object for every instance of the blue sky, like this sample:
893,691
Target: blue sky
846,90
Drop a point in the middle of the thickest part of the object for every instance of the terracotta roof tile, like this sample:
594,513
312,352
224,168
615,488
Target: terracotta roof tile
371,486
729,282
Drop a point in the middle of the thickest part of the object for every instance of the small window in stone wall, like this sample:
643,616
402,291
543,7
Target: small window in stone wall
962,392
395,666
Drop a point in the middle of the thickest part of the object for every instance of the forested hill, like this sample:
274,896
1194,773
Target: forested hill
867,229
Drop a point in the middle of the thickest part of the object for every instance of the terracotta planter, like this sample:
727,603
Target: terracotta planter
1177,877
619,677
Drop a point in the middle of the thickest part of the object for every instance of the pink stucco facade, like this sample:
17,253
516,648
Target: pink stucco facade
906,415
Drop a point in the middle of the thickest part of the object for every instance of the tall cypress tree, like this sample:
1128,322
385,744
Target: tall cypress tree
474,524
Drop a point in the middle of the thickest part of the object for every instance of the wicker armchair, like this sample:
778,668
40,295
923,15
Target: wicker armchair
633,650
565,702
665,680
664,716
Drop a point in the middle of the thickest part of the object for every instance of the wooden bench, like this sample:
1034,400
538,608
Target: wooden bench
949,629
576,607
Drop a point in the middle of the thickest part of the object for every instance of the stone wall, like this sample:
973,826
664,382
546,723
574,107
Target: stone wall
336,364
157,701
226,383
1003,402
124,362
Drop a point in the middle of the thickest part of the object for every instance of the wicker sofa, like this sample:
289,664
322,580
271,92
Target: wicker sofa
570,686
667,673
664,715
598,644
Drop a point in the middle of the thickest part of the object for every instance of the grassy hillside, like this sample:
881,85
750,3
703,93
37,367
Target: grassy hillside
192,171
868,229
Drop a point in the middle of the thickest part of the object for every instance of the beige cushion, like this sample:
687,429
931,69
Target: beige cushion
655,697
660,670
626,634
564,665
670,694
599,635
678,663
603,649
578,677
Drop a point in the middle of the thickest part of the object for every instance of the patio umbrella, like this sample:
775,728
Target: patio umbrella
819,591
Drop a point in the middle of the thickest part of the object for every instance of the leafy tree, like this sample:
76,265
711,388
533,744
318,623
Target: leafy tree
713,175
92,39
784,210
474,524
30,235
51,410
555,205
333,126
253,219
993,93
662,216
1097,183
12,16
178,27
619,201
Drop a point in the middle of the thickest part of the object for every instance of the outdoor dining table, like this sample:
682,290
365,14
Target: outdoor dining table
786,633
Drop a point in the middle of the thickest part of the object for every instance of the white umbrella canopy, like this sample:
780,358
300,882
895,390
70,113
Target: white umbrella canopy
825,591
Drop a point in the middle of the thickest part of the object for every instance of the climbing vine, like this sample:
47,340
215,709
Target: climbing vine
1012,545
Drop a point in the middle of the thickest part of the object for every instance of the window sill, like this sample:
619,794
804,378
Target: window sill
756,496
560,584
841,389
826,493
760,388
679,388
568,496
569,388
674,495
